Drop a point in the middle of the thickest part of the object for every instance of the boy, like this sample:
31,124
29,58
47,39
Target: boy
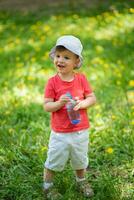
67,141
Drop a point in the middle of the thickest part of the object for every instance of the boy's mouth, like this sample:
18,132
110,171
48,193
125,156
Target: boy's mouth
61,66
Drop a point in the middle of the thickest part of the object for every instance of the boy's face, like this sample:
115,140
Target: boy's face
65,61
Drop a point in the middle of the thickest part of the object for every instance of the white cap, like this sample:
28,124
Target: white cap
71,43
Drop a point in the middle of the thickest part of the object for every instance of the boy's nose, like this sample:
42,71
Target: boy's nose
60,59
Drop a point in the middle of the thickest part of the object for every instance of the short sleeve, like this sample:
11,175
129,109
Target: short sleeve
87,86
49,91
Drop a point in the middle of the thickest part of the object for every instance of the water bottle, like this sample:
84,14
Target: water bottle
74,116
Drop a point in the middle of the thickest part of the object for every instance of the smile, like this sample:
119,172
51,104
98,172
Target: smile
61,66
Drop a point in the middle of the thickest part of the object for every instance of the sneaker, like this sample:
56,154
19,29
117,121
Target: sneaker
52,194
85,188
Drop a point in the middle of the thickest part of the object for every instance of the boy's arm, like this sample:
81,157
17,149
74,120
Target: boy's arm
51,106
87,102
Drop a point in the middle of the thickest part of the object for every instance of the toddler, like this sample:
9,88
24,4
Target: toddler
67,140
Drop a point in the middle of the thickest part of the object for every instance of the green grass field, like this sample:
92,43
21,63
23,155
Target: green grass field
26,38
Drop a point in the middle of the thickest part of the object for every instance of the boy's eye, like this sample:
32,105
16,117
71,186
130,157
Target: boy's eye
66,57
57,56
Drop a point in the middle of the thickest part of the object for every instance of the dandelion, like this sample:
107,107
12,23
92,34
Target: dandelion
33,27
99,48
45,148
119,75
46,55
17,41
30,78
1,50
106,66
97,107
132,122
131,10
46,28
131,83
26,56
5,83
130,96
33,59
132,107
7,112
42,38
37,49
113,117
118,82
31,41
11,130
109,150
19,64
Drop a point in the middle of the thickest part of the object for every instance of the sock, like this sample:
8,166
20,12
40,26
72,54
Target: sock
47,185
80,179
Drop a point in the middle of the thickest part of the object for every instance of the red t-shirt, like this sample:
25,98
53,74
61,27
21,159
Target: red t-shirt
78,87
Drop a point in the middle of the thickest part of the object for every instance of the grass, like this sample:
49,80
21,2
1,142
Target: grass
26,38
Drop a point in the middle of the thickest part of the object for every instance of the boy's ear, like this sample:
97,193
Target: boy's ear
77,61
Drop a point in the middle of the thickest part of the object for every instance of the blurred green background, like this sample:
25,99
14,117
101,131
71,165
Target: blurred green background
28,31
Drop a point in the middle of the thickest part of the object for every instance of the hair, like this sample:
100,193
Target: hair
62,48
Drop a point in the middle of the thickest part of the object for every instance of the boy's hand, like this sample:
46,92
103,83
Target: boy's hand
63,99
78,104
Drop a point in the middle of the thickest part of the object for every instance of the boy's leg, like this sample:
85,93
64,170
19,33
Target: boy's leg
82,184
50,192
79,161
48,175
80,173
48,179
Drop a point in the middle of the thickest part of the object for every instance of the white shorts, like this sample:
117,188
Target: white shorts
65,146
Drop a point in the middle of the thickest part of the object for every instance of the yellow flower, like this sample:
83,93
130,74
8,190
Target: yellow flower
109,150
46,55
131,10
30,78
131,83
17,41
106,66
11,130
42,38
113,117
130,96
132,107
97,107
33,27
5,83
33,59
44,148
19,64
31,41
7,112
1,50
118,82
46,28
37,49
119,74
99,48
132,122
